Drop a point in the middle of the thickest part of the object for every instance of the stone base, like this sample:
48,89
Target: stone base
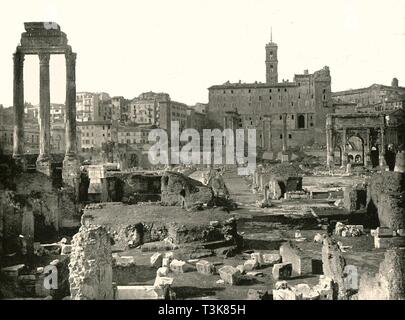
21,163
71,172
44,166
285,156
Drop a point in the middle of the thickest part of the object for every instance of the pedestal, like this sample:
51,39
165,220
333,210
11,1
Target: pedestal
285,156
44,166
71,173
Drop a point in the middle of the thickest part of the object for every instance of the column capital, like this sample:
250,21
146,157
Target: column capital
44,58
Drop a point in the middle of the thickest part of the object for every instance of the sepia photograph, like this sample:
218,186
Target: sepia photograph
202,153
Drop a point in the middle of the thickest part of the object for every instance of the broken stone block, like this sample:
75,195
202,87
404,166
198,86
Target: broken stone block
90,267
307,292
286,294
178,266
123,261
301,263
333,264
138,293
254,294
271,258
166,262
389,282
250,265
355,198
384,232
156,260
162,272
318,238
230,275
282,271
205,267
220,281
12,272
163,281
388,242
66,249
254,274
258,257
281,285
241,268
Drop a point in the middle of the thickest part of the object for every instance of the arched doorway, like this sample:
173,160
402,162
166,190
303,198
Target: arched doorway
355,150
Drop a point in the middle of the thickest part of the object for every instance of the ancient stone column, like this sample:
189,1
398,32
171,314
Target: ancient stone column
43,161
18,101
90,267
284,154
70,172
344,151
367,150
329,143
382,162
70,108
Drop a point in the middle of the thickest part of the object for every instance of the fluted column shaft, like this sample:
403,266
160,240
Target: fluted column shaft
70,108
44,107
18,102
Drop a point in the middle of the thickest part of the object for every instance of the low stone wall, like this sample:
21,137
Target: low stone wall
195,191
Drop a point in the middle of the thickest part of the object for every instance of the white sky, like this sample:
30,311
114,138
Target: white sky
184,46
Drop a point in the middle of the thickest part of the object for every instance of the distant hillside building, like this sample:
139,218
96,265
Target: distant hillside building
285,114
93,106
376,98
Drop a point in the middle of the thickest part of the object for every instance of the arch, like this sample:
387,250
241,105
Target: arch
355,150
301,121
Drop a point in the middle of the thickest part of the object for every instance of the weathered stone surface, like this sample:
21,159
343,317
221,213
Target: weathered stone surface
307,292
156,260
195,191
400,162
139,293
355,198
250,265
301,262
333,264
282,271
254,294
389,282
271,258
230,275
386,199
91,265
178,266
205,267
287,294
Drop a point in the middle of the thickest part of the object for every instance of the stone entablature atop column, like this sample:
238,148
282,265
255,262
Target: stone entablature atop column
44,39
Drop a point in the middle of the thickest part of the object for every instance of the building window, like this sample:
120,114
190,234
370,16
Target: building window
260,98
301,121
289,136
281,136
292,117
281,118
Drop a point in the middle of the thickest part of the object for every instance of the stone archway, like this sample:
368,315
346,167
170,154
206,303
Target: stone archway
355,150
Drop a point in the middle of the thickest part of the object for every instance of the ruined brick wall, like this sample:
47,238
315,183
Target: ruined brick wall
90,265
172,184
35,195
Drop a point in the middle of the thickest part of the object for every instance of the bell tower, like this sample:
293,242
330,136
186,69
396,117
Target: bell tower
271,61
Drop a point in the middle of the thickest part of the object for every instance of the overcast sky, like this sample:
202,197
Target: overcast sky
184,46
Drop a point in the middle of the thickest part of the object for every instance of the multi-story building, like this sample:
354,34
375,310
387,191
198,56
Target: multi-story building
376,98
134,135
94,133
285,114
145,109
120,109
93,106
